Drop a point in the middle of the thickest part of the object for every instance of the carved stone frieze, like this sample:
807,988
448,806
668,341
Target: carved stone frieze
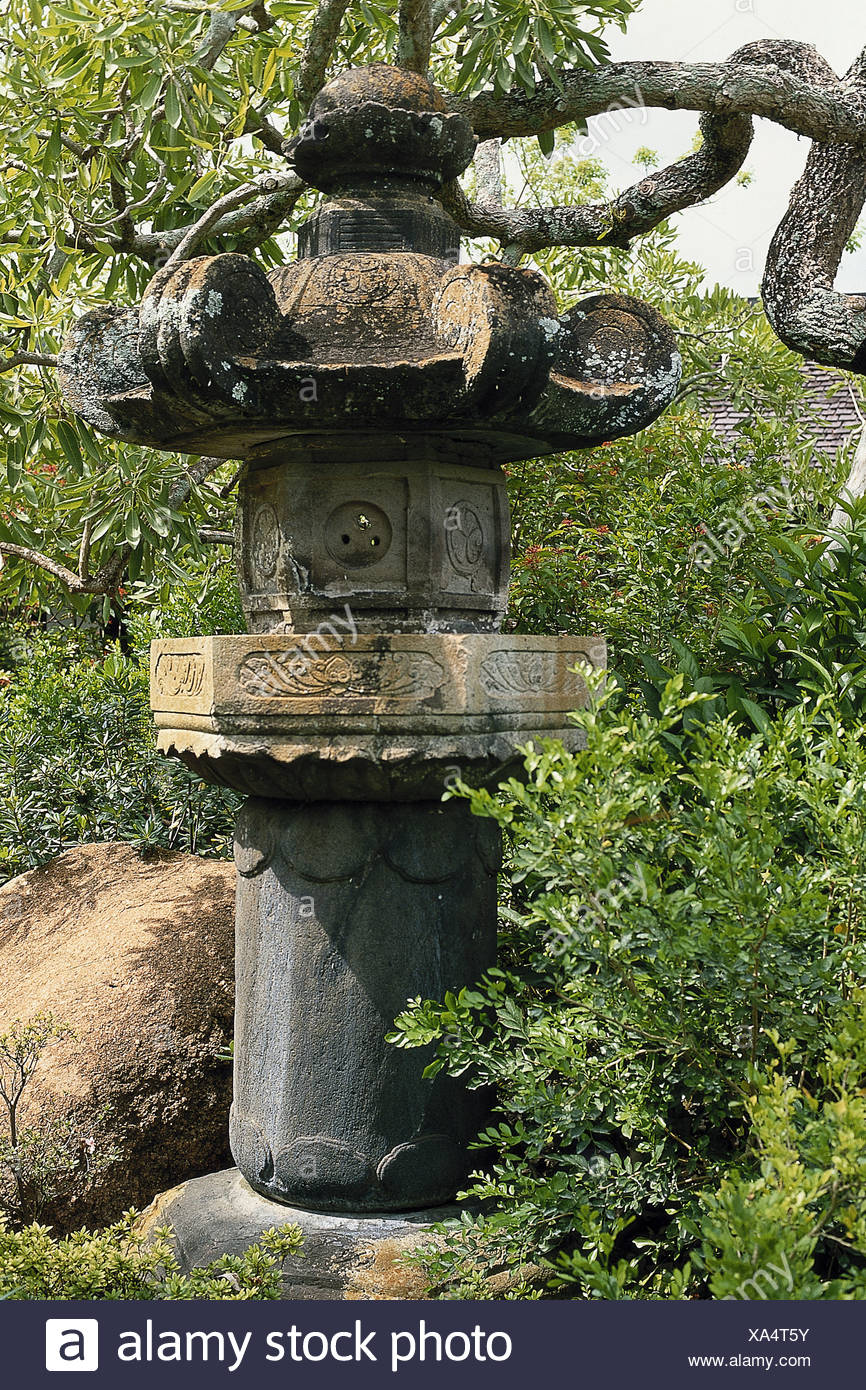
408,677
365,717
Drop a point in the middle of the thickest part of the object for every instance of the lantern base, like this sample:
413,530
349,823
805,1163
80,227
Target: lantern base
343,1256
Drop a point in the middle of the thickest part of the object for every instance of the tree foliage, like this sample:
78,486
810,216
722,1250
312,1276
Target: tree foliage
124,127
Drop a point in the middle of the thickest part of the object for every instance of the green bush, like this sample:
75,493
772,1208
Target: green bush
799,631
652,540
802,1217
78,761
668,919
119,1263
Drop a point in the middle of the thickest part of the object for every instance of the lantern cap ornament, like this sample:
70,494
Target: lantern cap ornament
380,122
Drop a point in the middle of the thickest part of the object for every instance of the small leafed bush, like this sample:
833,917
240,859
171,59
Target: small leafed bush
78,762
677,918
119,1263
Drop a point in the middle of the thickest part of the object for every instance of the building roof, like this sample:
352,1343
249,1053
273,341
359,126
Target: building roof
830,417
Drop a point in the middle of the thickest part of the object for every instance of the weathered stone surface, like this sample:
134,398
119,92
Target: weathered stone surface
611,349
344,1257
136,955
364,717
381,122
344,913
416,540
373,327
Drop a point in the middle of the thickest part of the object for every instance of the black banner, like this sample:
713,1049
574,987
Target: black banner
482,1345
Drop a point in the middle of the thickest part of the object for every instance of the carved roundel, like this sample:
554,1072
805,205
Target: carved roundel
265,541
358,534
464,538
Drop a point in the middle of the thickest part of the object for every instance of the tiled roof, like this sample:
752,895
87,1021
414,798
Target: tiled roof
830,417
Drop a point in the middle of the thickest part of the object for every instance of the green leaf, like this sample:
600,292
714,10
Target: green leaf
68,437
132,528
173,108
150,91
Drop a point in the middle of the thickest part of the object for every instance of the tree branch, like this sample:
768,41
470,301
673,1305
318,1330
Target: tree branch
636,211
212,537
84,551
73,581
222,26
287,187
440,11
488,172
415,29
804,256
314,62
29,359
192,477
753,86
855,487
257,125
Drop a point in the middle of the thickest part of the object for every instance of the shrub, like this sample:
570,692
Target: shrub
666,920
652,540
797,1227
119,1263
78,762
796,633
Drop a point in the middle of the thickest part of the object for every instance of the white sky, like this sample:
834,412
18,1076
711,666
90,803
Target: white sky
729,234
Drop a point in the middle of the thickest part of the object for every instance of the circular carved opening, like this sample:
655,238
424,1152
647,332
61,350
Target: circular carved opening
358,534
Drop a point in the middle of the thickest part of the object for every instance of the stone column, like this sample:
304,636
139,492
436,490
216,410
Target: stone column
344,912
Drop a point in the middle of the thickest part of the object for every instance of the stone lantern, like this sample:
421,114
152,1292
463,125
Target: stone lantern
374,388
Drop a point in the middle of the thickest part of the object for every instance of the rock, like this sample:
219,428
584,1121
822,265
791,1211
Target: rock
343,1257
137,956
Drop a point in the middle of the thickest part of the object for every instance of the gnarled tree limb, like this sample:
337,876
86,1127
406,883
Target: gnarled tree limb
415,28
289,185
320,46
105,581
634,212
751,88
253,212
488,172
826,202
223,24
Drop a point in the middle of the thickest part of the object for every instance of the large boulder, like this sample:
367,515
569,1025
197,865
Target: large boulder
136,955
